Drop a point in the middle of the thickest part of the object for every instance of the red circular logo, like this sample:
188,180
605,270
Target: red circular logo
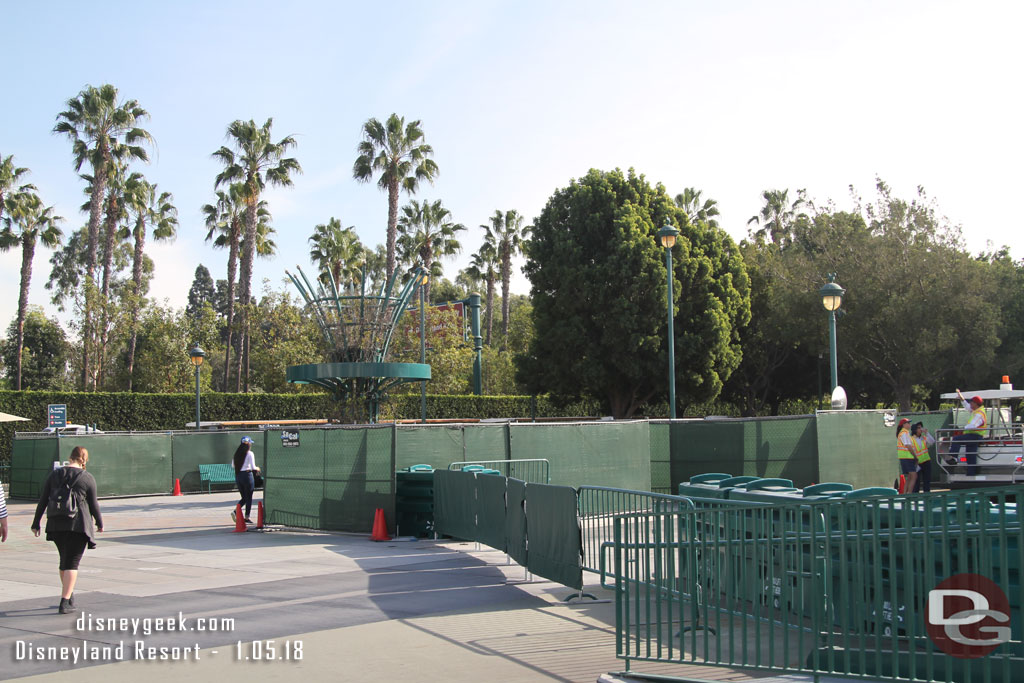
968,616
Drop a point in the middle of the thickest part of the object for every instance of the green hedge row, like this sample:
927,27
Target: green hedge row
112,412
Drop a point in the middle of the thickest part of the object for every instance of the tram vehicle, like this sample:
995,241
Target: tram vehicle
1001,450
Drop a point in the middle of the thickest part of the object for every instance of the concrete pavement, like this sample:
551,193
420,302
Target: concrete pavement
334,605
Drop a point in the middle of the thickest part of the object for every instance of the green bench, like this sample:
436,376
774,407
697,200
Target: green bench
216,474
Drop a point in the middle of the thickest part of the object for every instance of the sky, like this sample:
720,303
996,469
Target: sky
518,98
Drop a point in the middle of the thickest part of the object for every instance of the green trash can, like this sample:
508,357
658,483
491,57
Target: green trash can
414,501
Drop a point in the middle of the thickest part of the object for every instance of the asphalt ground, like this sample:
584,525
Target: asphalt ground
172,593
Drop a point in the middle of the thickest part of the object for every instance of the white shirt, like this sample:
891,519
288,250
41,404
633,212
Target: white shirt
249,463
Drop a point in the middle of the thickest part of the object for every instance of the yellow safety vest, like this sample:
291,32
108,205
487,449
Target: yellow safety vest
902,450
921,449
980,431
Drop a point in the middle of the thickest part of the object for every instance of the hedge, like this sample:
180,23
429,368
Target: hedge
112,412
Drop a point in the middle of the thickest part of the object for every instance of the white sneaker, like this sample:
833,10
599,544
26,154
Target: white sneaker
234,518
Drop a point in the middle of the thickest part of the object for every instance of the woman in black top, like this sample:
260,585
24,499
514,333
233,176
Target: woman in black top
71,535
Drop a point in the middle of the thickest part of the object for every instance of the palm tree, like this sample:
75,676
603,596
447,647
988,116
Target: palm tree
265,248
428,235
224,221
337,253
777,214
101,129
689,201
27,221
398,153
149,209
256,161
9,177
507,229
483,266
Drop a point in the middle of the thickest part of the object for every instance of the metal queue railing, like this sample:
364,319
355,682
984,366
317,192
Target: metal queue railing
535,470
899,588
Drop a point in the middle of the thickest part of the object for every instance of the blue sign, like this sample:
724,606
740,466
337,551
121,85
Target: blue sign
57,415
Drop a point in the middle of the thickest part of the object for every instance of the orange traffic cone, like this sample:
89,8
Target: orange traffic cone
259,515
177,488
239,519
380,527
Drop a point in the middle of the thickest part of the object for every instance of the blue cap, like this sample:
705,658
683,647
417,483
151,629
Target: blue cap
246,439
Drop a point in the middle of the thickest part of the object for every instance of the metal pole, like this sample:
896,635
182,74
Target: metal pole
197,397
671,341
832,348
478,343
423,359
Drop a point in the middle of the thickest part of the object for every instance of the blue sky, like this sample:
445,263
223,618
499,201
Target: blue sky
518,98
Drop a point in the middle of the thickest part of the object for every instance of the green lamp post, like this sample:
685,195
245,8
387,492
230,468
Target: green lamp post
196,355
667,236
832,298
423,349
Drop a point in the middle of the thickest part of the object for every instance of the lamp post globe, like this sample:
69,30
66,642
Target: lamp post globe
832,298
196,355
667,238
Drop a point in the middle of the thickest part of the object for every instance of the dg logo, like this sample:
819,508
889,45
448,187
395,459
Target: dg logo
968,616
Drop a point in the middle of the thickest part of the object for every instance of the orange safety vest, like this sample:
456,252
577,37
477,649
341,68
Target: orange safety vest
903,450
981,430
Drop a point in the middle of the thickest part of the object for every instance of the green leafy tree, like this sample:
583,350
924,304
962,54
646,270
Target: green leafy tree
43,351
27,222
1008,277
444,290
427,235
449,357
202,291
396,151
284,335
255,162
337,253
598,286
102,130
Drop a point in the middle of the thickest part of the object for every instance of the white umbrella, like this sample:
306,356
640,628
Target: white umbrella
4,417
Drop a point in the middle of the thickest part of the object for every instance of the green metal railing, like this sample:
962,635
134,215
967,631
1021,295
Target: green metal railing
837,587
597,507
530,470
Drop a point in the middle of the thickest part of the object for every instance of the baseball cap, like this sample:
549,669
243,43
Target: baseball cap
977,399
246,439
904,421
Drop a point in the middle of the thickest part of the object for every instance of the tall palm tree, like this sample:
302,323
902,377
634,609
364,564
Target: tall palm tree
101,128
705,212
427,236
484,266
10,175
778,213
27,221
507,229
150,209
338,252
256,161
224,222
397,152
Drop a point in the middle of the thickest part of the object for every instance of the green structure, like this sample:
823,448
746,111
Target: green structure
358,327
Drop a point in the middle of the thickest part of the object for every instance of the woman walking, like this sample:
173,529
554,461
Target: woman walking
245,468
70,512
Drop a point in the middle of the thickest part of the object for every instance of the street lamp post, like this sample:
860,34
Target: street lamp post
832,298
423,351
197,355
667,235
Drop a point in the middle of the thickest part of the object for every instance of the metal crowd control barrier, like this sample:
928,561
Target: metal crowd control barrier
597,506
902,588
531,470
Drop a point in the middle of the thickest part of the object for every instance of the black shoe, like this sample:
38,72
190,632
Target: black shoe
248,521
71,600
65,607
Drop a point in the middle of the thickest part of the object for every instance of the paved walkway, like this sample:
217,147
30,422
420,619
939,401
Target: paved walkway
335,606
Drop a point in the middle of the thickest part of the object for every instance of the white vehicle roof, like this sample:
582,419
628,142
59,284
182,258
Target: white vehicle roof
988,394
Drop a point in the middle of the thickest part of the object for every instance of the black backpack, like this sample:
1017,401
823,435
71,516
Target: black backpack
63,501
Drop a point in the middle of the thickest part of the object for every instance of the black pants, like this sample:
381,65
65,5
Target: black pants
71,546
924,478
245,487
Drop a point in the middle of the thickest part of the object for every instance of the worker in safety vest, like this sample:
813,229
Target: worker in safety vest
905,453
974,431
921,439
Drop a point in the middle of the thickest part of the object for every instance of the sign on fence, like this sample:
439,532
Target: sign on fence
57,415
